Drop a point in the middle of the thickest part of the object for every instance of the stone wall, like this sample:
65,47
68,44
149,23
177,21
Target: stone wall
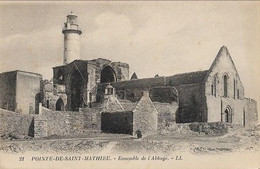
191,102
40,127
63,122
166,113
8,90
92,118
214,109
243,112
15,123
164,94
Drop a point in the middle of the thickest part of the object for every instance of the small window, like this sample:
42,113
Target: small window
237,93
212,89
48,103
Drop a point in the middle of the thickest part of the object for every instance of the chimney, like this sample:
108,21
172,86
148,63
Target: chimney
146,93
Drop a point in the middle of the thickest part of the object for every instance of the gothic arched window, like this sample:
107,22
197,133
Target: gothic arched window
225,86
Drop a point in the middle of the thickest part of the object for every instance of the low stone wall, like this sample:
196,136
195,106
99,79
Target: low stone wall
92,118
214,128
62,122
15,124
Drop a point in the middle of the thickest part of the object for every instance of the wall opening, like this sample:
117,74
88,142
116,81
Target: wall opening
225,85
59,105
48,103
59,77
76,91
215,85
244,117
228,115
212,89
107,75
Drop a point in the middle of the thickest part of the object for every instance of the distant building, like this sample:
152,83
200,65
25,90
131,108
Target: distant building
20,91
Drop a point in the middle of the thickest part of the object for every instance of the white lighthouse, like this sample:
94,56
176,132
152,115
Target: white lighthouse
71,33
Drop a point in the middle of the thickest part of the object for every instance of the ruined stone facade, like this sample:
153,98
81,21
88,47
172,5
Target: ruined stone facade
80,78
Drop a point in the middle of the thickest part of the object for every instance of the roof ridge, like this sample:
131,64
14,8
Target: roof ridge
200,71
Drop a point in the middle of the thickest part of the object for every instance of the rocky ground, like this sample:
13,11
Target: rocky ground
172,139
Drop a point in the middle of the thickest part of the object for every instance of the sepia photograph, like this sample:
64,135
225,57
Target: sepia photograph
129,84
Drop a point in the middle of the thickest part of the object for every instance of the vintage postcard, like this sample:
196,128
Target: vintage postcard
129,84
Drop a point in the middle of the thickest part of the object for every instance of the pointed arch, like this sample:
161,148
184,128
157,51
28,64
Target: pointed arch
59,105
228,114
108,75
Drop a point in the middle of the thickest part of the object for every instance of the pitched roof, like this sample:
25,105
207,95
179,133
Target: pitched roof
128,105
186,78
175,80
112,105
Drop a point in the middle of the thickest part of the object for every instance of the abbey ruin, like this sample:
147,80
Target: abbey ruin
99,95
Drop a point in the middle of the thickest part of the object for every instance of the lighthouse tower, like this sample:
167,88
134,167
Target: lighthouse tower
71,33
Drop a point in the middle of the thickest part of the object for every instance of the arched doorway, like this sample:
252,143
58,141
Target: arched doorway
228,115
107,75
59,105
76,91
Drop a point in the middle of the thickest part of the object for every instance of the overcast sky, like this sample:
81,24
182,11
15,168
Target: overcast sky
162,38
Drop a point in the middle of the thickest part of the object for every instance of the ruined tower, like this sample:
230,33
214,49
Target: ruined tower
71,33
